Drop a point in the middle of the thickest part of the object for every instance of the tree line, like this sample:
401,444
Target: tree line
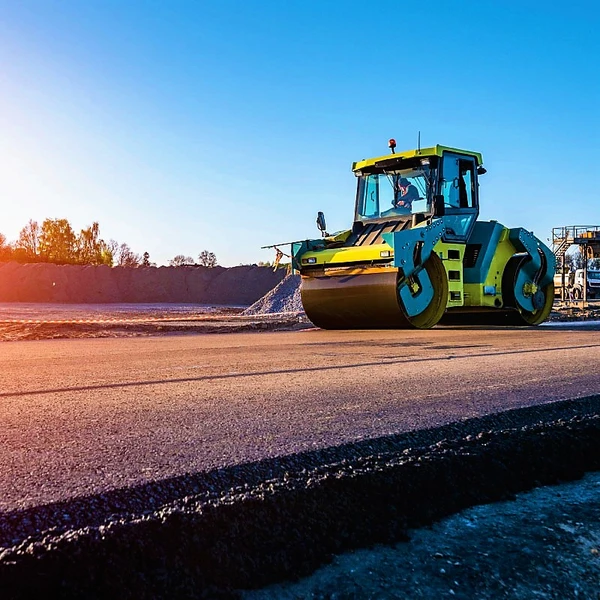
205,259
55,241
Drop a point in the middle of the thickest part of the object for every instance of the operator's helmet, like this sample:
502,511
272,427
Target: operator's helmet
404,182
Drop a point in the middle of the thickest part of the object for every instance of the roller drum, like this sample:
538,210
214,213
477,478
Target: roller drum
369,299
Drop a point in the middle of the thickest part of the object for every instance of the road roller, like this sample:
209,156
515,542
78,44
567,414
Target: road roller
416,255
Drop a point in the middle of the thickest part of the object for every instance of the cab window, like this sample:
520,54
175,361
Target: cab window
458,182
459,188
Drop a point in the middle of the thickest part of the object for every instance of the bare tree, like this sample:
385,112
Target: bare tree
27,246
207,259
574,260
126,257
112,247
180,260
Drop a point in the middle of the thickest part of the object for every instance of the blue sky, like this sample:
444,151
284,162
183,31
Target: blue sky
183,126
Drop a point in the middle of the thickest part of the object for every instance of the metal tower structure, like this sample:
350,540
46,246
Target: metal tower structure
587,237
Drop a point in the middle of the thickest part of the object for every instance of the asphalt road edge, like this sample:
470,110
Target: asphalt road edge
282,518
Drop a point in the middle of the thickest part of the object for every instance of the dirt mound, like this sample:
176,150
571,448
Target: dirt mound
285,297
44,282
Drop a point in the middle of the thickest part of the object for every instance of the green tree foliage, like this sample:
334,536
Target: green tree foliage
180,260
5,249
91,249
146,259
58,242
207,259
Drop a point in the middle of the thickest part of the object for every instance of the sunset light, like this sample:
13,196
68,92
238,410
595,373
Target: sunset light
299,300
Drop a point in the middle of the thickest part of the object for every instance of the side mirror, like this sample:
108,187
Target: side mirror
481,170
321,223
438,206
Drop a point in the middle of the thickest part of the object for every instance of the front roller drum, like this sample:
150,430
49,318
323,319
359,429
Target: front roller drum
370,299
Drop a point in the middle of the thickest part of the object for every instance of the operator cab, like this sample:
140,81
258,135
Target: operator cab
420,186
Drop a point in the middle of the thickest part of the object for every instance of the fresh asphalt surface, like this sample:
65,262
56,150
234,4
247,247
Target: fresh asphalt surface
84,416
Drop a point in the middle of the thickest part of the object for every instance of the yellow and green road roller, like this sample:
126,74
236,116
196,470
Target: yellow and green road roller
416,254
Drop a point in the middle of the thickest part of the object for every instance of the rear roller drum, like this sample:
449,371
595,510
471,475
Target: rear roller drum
541,299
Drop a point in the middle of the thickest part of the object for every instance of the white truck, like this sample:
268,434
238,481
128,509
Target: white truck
574,284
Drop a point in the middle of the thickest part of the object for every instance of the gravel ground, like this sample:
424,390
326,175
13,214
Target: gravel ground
11,311
29,321
544,544
576,312
280,309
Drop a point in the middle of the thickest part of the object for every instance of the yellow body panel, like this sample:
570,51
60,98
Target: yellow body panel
432,151
341,236
349,271
504,252
333,256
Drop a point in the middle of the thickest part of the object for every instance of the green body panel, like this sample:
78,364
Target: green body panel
452,255
403,243
487,235
483,280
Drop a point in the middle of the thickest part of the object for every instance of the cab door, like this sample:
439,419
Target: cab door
458,186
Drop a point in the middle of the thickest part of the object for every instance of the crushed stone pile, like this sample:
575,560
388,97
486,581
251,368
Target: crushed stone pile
284,298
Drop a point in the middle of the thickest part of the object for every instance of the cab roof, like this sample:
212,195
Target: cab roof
436,150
